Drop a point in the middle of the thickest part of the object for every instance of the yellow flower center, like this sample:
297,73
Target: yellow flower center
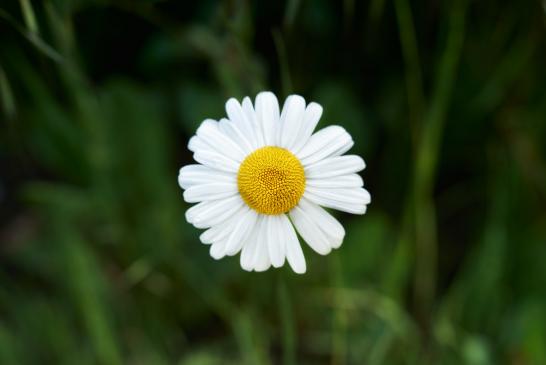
271,180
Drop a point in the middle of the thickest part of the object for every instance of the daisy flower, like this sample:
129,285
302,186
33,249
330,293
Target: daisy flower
263,174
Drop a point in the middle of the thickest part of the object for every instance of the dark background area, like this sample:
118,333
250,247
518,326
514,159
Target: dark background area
446,102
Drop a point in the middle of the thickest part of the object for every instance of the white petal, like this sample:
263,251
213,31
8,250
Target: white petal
324,221
358,195
244,119
324,144
217,212
267,112
210,133
216,161
218,249
237,135
198,209
213,234
250,246
311,117
275,240
256,130
309,231
262,261
197,144
343,207
294,253
219,231
342,149
347,200
335,166
213,191
336,182
241,230
195,174
291,120
235,112
237,116
247,255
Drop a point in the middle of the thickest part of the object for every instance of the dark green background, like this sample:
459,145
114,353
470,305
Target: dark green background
446,102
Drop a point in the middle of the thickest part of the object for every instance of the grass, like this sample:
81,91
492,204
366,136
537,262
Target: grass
446,103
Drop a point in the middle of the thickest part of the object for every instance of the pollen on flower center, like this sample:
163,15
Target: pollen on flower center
271,180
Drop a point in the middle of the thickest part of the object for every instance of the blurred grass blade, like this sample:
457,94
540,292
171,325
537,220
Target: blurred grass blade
514,63
33,38
287,321
410,52
249,336
6,95
8,347
348,13
29,16
339,315
376,11
85,285
291,12
427,157
282,58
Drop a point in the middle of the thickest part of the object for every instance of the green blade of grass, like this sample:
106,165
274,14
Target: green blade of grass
427,158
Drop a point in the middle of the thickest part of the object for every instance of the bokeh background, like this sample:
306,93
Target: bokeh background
446,101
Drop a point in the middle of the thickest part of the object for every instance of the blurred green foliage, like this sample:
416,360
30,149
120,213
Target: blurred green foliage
446,102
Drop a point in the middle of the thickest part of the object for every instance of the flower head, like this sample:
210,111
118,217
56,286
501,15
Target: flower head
263,174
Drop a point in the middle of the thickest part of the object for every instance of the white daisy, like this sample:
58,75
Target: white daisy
261,173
